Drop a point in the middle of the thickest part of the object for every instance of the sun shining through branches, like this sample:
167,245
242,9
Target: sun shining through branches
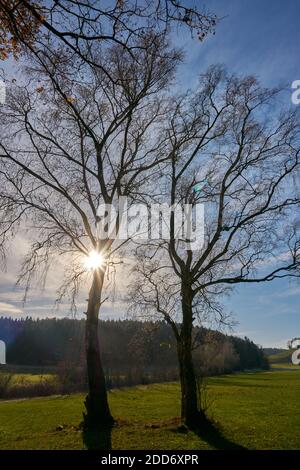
93,261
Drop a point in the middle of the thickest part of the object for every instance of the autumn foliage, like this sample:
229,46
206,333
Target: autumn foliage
17,24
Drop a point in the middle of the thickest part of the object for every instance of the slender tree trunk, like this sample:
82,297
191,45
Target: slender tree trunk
190,413
181,376
97,410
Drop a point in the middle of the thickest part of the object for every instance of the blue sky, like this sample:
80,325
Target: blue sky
260,37
254,37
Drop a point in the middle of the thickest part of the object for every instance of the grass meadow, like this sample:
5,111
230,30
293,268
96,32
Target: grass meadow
250,410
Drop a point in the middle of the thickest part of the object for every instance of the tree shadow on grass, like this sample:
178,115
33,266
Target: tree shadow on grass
208,431
97,439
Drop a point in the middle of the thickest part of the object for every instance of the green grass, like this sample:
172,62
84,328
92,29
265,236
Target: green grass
282,357
256,411
283,361
285,366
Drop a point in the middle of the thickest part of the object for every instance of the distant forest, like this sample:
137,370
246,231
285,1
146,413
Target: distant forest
133,352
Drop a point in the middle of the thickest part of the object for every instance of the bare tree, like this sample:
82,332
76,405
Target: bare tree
82,26
235,151
71,140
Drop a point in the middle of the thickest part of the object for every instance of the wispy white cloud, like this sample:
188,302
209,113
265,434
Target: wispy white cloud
290,292
9,309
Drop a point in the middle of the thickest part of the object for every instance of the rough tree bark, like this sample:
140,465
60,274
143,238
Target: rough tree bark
97,410
190,413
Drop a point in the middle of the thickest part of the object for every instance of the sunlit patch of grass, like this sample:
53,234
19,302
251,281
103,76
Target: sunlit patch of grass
24,379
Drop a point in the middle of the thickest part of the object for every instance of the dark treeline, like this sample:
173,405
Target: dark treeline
133,352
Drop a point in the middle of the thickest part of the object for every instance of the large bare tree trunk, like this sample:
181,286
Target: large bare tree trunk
97,410
190,413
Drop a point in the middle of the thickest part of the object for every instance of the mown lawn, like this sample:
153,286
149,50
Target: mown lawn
255,411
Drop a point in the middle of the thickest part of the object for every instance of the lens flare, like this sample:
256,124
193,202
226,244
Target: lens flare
94,260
